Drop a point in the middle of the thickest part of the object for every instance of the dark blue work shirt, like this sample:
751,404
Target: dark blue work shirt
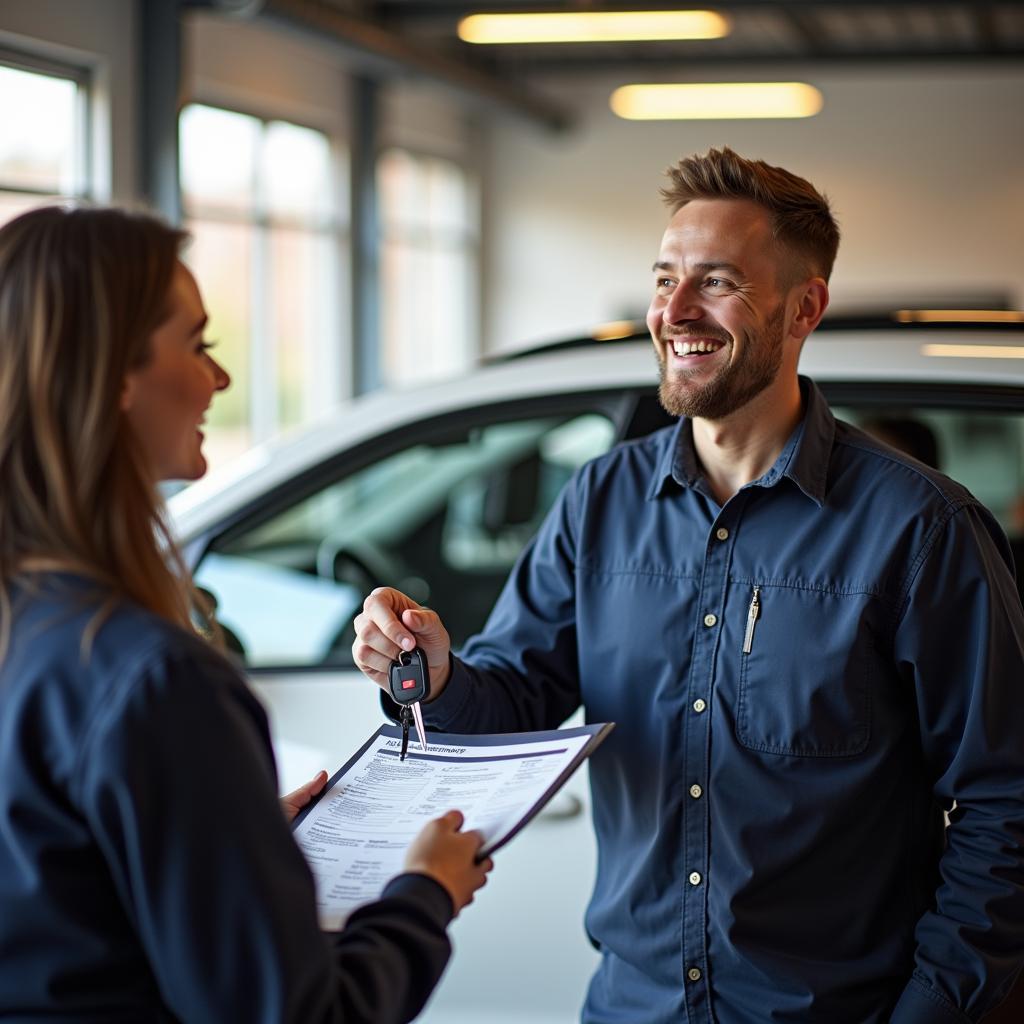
769,808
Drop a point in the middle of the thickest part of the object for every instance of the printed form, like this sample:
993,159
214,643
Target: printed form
356,834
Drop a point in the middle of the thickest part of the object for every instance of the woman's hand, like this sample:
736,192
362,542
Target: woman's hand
292,803
448,855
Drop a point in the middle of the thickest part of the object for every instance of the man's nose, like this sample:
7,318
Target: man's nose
683,305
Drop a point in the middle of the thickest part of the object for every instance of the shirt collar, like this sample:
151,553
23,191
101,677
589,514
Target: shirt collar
804,459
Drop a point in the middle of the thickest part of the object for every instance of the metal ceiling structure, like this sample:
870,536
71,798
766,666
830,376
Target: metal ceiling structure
403,38
762,31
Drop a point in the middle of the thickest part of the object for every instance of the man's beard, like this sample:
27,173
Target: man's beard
735,384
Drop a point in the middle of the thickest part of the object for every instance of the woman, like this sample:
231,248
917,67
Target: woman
146,870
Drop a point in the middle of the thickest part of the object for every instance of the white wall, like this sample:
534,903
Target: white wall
923,167
99,35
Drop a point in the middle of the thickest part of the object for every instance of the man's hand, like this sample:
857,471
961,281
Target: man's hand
448,856
293,802
389,623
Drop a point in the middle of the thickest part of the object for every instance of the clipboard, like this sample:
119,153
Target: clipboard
354,834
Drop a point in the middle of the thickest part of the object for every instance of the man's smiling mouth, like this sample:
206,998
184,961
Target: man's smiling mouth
699,346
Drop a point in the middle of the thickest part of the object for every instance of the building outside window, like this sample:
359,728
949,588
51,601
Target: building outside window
429,211
261,199
44,133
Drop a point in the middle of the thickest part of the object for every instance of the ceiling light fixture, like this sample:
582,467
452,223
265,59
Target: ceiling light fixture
974,351
703,101
592,26
615,329
960,316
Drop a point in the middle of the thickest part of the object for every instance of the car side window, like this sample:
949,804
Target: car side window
984,451
442,521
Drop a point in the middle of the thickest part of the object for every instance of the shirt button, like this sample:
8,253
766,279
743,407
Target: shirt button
693,974
722,533
710,619
694,878
696,791
699,705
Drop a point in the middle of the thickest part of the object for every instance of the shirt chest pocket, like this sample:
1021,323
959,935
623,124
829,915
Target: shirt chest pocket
805,665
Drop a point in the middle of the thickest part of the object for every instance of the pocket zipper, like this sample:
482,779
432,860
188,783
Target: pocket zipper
752,613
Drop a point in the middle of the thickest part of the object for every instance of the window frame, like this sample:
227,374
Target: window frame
83,186
263,419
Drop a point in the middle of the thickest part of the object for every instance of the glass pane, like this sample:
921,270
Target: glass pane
37,143
448,196
220,256
293,269
296,171
400,188
423,194
442,522
427,300
218,158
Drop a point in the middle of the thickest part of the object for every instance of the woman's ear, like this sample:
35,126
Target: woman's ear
127,393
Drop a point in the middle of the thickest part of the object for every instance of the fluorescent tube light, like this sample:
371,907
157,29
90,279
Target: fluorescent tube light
614,329
960,316
974,351
592,26
715,100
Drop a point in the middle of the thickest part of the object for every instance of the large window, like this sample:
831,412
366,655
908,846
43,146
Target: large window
429,216
43,135
262,202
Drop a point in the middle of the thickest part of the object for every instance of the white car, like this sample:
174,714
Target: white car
435,491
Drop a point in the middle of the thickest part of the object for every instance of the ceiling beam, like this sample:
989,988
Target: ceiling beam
801,19
382,53
416,10
681,63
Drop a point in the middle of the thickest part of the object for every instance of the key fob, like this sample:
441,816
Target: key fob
409,677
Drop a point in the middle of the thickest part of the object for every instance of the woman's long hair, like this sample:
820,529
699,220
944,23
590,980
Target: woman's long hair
81,292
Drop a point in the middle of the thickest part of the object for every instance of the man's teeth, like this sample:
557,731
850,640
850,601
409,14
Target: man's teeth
688,348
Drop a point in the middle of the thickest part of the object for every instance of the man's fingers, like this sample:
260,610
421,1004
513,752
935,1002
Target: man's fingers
374,637
383,608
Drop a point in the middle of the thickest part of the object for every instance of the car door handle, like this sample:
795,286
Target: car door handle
563,807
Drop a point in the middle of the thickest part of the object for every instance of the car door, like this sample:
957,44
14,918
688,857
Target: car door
439,509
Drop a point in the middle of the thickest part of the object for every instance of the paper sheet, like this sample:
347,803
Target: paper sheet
355,836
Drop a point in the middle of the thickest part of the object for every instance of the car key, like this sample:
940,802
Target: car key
409,683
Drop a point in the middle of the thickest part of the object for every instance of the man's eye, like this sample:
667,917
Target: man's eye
717,282
665,282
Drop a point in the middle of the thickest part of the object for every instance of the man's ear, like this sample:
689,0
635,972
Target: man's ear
811,302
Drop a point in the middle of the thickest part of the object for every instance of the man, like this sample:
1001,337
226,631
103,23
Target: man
811,645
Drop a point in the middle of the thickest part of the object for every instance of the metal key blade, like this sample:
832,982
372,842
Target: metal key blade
420,730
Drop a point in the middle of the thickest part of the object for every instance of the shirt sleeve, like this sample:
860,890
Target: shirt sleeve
960,643
178,786
520,673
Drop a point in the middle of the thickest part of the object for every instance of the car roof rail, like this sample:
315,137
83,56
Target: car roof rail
618,331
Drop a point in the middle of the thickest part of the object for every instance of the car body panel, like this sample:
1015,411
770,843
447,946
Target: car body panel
521,952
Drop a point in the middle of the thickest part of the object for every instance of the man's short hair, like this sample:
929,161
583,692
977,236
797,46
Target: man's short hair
802,220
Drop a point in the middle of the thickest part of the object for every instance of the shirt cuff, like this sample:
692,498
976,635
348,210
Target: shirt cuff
920,1004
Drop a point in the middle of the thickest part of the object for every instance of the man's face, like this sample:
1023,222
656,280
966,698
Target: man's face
717,318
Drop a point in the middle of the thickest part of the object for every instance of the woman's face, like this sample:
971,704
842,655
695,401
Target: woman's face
165,400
